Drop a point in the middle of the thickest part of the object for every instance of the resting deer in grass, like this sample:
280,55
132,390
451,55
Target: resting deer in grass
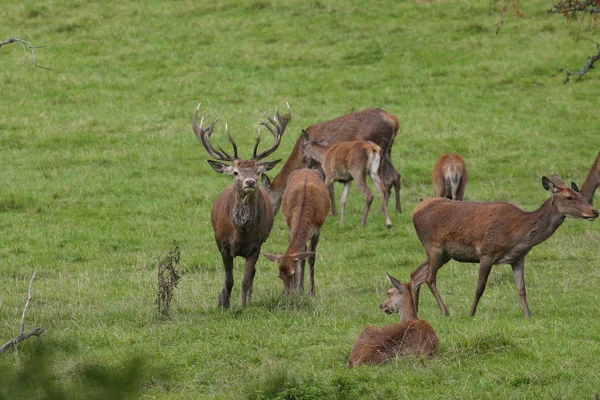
372,124
450,177
347,161
242,215
411,336
591,182
490,234
305,206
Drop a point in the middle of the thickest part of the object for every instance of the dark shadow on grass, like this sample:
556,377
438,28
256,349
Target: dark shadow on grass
278,303
485,344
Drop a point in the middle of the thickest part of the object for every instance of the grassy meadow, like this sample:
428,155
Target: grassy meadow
101,173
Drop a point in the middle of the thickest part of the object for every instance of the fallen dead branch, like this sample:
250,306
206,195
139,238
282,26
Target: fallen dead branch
25,45
588,65
23,336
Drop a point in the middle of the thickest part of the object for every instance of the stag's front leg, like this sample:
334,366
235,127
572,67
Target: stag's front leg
248,279
314,241
485,267
228,285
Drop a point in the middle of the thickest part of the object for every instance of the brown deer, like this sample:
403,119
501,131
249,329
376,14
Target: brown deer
372,124
591,182
450,177
490,233
305,206
242,215
347,161
411,336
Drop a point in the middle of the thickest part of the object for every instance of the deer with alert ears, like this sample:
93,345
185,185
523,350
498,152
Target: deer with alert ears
242,215
305,206
372,124
411,336
450,177
347,161
592,181
490,233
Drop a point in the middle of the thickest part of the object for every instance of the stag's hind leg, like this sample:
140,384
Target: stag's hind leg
343,201
379,185
314,241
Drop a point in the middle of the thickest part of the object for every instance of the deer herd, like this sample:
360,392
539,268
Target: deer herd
350,148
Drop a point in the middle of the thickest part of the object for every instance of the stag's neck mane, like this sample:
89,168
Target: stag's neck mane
245,213
543,222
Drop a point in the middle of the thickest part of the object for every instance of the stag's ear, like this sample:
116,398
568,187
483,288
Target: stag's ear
220,167
303,256
574,187
265,181
395,282
266,165
271,257
305,137
557,181
548,185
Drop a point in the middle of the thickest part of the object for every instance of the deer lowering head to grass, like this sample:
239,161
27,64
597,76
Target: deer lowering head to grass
347,161
305,207
490,233
591,182
242,215
411,336
372,124
450,177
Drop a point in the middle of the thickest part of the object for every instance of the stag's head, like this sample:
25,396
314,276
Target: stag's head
287,270
568,201
245,172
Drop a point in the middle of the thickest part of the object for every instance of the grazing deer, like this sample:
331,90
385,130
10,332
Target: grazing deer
490,234
347,161
305,206
242,215
450,177
591,182
411,336
372,124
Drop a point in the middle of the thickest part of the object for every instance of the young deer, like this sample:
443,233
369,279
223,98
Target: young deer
450,177
372,124
242,215
591,182
305,206
347,161
490,234
411,336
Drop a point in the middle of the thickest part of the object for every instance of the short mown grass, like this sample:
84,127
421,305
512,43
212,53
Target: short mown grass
101,172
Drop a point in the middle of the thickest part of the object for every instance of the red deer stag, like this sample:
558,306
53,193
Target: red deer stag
372,124
411,336
490,234
347,161
305,206
591,182
242,215
450,177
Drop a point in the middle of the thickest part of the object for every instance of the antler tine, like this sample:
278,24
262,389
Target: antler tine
204,136
235,153
256,145
277,128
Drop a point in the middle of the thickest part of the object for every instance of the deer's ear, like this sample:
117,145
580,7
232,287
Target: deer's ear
574,187
548,185
271,257
220,167
305,137
395,282
265,181
266,165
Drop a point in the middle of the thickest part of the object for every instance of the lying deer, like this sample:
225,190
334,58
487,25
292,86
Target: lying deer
592,181
450,177
372,124
347,161
490,234
242,215
305,206
411,336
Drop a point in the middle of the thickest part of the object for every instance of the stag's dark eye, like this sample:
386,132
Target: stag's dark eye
569,198
235,173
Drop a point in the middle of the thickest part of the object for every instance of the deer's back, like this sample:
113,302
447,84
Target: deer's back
372,124
376,346
341,158
305,199
241,235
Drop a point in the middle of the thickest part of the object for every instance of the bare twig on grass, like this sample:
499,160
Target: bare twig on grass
22,335
588,65
570,8
168,278
25,44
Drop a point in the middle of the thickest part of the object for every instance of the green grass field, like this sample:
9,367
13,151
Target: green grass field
101,172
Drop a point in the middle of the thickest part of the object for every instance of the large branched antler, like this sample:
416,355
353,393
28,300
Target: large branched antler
276,126
204,136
